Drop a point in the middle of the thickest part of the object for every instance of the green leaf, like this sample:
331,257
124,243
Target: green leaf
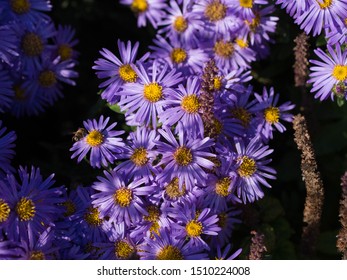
115,108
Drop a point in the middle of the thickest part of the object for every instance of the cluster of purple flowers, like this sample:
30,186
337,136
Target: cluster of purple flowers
36,57
327,18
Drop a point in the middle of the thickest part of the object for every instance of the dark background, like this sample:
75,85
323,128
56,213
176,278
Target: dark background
45,140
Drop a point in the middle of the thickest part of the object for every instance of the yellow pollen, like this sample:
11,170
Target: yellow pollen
169,252
47,78
242,114
254,23
154,229
215,11
65,52
345,21
323,4
123,250
194,228
248,166
217,82
20,6
246,3
183,156
127,73
37,255
222,220
272,114
32,44
123,197
4,210
190,104
178,55
153,214
223,49
340,72
139,6
70,208
92,217
139,157
241,43
180,24
172,190
153,92
95,138
19,92
222,186
218,126
25,209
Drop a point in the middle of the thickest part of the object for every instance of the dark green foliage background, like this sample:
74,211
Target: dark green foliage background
44,141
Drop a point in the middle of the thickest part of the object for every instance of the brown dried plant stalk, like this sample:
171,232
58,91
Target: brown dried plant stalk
301,62
257,248
314,187
341,243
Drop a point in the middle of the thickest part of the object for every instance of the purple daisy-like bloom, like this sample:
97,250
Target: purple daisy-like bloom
194,224
8,43
12,250
245,8
251,167
33,203
294,7
144,98
328,73
183,107
272,113
7,146
117,71
101,141
321,13
65,41
140,153
151,10
184,159
119,199
165,246
6,92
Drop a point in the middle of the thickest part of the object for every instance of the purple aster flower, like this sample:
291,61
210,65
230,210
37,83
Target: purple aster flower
6,92
101,141
144,98
251,166
194,224
8,44
272,113
184,159
224,254
119,199
139,154
328,73
7,146
12,250
183,107
34,203
336,35
245,8
294,7
65,41
151,10
117,71
166,247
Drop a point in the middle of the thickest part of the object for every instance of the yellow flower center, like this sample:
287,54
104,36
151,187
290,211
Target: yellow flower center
92,217
272,114
65,52
222,186
217,82
153,92
248,167
32,44
183,156
37,255
139,6
127,73
139,157
4,210
190,104
241,43
180,24
154,229
70,208
153,214
340,72
123,197
172,189
242,114
254,23
47,78
223,49
19,92
246,3
123,250
323,4
95,138
20,6
25,209
215,11
178,55
194,228
169,252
